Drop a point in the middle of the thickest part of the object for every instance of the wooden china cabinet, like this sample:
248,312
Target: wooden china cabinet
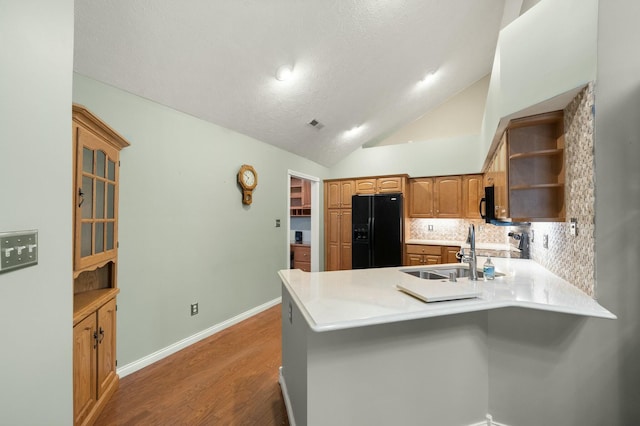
96,152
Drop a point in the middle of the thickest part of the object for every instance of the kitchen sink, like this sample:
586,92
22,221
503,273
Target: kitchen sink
443,272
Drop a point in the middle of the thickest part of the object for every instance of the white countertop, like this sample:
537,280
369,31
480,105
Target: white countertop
346,299
479,246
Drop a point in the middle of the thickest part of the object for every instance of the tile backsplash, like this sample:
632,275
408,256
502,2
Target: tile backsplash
570,257
573,257
458,229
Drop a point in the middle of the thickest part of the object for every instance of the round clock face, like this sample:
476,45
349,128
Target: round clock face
248,178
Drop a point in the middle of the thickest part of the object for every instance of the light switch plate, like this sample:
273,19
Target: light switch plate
18,249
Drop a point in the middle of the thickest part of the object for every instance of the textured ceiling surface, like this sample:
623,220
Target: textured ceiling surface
355,63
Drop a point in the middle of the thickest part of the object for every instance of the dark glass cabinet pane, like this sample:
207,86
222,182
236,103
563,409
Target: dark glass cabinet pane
99,237
87,160
101,159
99,199
110,236
111,170
87,197
85,240
111,202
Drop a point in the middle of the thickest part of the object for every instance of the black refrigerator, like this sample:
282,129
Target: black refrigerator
377,231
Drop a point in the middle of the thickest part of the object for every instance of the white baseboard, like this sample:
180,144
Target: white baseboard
139,364
285,396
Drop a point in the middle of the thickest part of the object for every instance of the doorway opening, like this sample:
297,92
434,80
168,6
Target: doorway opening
303,221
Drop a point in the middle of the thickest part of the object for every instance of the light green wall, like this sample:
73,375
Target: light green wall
36,53
184,234
545,52
429,158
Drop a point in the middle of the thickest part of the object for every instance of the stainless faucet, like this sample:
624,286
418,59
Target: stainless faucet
471,258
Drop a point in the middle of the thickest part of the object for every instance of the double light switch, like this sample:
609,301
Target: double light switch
18,249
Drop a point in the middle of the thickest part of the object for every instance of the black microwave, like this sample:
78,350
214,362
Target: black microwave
488,209
488,205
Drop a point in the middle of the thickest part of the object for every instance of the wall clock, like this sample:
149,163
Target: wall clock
248,180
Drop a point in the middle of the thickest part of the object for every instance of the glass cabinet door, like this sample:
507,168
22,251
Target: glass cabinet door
96,201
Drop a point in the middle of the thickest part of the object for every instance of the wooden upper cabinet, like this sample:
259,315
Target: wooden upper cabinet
381,185
338,193
536,167
300,197
421,197
366,186
527,170
306,194
501,182
390,184
472,193
347,191
95,201
448,196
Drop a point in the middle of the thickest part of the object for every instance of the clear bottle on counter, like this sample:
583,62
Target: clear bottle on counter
489,270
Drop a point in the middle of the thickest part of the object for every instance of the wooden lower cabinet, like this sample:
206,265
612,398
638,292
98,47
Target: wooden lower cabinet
94,363
301,257
421,255
418,254
449,254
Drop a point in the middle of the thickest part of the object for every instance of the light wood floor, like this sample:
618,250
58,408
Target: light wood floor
230,378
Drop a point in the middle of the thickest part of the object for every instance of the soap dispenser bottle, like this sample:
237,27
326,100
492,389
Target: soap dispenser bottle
488,270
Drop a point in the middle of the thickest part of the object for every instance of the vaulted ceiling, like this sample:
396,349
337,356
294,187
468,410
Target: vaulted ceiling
357,66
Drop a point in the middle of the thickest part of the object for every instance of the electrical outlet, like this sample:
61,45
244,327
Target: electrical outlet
533,236
194,309
430,227
290,313
545,241
573,226
277,223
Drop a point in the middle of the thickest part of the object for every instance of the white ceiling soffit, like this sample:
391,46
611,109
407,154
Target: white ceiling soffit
356,63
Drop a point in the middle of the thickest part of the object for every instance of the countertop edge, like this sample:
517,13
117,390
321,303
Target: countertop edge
307,316
454,307
489,306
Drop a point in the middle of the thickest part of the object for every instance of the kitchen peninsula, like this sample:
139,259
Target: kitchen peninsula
358,351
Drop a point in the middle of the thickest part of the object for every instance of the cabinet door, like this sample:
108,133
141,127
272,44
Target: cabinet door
306,193
414,259
389,185
366,186
332,240
347,190
472,193
345,239
421,197
84,368
333,194
106,345
432,259
95,200
449,254
448,196
502,181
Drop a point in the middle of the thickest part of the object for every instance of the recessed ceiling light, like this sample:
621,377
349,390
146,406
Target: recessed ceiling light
353,131
428,79
284,73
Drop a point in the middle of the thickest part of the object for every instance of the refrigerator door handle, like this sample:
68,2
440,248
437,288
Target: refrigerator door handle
372,236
